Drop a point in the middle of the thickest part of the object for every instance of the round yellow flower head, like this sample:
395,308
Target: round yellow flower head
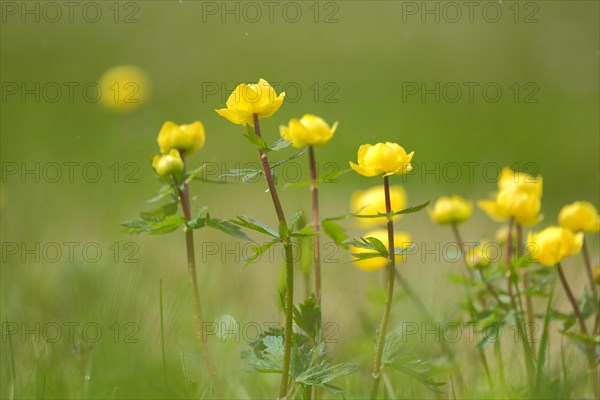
372,201
553,244
401,240
451,210
308,130
383,158
249,99
185,138
477,257
523,206
124,88
520,181
579,216
168,164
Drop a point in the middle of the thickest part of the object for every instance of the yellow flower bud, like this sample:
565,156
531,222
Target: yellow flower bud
579,216
124,88
308,130
382,158
451,210
524,207
401,240
168,164
185,138
520,181
553,244
249,99
372,201
478,257
502,234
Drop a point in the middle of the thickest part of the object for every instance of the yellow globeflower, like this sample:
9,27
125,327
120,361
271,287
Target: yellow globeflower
308,130
124,88
451,210
579,216
401,240
553,244
186,138
372,201
168,164
249,99
382,158
520,181
477,257
524,207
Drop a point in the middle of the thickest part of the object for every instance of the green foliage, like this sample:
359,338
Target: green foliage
258,226
307,316
397,358
309,366
256,140
258,251
409,210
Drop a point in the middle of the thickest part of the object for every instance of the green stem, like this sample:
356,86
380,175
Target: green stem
593,287
590,347
184,197
390,269
289,269
162,334
315,221
518,306
528,299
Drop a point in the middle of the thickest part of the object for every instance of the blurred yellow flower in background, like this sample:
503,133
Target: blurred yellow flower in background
521,181
401,240
168,164
124,88
185,138
524,207
478,257
451,210
579,216
383,158
249,99
551,245
308,130
372,201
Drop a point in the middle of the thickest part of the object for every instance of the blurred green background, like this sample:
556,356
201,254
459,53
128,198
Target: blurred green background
347,61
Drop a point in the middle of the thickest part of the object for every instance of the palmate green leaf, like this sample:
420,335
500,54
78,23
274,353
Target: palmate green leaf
281,162
165,191
268,359
307,316
246,174
199,220
280,144
336,232
258,251
409,210
369,243
256,140
397,358
166,225
328,178
160,213
227,227
324,372
258,226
